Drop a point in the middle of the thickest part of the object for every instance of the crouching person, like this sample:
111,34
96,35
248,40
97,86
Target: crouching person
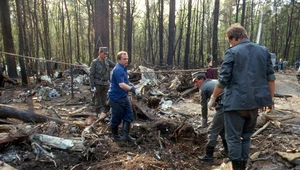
216,128
118,97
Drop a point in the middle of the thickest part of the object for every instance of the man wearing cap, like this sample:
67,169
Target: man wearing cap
216,128
100,79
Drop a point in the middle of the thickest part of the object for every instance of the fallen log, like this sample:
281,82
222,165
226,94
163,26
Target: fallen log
10,133
25,115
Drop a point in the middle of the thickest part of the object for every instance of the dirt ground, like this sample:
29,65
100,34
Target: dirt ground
168,139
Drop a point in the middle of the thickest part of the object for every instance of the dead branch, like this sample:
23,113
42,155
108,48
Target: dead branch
261,159
25,115
11,133
108,164
176,131
261,129
188,91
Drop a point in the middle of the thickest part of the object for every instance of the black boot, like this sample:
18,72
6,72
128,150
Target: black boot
237,165
244,164
126,137
115,134
209,154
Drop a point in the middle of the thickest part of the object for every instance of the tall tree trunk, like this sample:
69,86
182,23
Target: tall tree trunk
237,10
77,30
215,34
121,25
21,43
8,39
63,33
112,30
188,35
201,55
288,32
182,19
36,30
243,13
70,45
46,36
150,50
171,32
88,4
129,30
251,21
101,25
196,34
161,29
27,50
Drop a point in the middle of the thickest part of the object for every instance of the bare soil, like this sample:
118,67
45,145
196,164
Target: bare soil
165,141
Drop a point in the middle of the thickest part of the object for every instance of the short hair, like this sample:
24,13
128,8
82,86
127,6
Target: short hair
236,31
120,54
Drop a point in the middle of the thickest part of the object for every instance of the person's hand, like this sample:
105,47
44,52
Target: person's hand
270,108
93,89
135,91
211,102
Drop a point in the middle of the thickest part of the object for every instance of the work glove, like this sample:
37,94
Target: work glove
93,89
135,91
211,102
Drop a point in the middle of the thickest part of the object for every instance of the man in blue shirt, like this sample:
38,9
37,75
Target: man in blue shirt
120,104
247,74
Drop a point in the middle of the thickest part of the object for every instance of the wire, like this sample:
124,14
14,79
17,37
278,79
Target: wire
59,62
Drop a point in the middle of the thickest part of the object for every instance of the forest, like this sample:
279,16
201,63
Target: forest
173,33
49,121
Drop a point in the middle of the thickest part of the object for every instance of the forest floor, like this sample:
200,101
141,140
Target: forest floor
165,139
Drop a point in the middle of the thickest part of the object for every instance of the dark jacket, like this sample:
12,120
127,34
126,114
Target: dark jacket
98,74
206,90
245,72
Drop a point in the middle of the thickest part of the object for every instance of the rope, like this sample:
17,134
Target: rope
59,62
41,59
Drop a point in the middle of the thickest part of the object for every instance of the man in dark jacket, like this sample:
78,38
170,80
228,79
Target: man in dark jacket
216,128
247,75
100,79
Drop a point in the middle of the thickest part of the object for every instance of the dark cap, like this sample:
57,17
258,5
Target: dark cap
103,49
198,76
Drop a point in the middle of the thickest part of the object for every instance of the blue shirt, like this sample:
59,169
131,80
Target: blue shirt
119,75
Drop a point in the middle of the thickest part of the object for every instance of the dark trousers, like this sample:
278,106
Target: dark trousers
101,99
120,110
216,128
1,80
239,126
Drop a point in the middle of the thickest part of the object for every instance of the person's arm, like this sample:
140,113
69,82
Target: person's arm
125,86
272,87
92,74
204,98
111,64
